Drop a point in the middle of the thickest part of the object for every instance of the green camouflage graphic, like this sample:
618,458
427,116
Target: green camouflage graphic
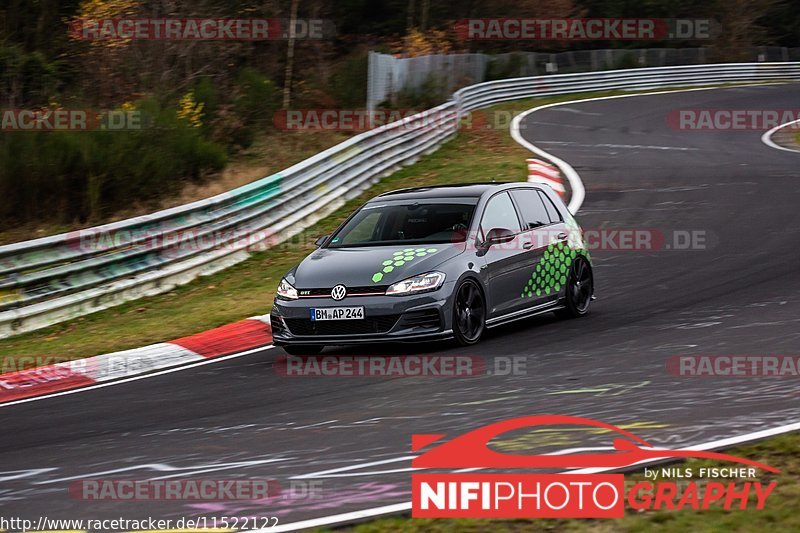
551,273
400,258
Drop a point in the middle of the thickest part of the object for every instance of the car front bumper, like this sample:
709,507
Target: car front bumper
413,318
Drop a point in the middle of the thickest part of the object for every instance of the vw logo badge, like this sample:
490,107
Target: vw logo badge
339,292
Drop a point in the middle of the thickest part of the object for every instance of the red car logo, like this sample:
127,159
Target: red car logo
471,451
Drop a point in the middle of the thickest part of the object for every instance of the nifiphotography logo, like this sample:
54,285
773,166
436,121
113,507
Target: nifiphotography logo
582,491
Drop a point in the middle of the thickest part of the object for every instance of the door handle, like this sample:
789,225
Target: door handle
562,236
528,245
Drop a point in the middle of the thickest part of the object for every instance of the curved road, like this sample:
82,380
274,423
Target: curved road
240,419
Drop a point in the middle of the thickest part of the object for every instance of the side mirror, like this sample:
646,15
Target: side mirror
497,236
321,240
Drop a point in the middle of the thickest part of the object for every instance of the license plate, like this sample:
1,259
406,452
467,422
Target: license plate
337,313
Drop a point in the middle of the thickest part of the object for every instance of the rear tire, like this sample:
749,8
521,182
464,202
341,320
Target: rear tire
302,349
580,289
469,313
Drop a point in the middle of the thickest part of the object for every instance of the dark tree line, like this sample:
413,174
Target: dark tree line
37,55
209,99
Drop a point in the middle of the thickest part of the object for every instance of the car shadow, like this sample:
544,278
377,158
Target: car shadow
497,334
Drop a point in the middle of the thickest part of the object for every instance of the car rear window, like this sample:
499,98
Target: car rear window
532,209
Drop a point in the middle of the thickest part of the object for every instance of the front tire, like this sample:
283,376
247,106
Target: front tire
580,289
469,313
302,349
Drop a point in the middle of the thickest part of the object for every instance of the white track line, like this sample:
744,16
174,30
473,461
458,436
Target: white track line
344,518
578,195
137,378
575,182
767,137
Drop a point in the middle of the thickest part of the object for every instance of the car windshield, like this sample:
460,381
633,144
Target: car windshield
424,221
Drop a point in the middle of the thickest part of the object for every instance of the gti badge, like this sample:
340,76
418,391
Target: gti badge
339,292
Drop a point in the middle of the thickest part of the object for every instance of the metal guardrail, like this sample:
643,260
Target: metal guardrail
52,279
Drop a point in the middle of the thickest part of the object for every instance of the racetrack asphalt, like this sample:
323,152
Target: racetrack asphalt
739,294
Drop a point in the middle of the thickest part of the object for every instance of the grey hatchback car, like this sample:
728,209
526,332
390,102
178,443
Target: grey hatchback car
436,263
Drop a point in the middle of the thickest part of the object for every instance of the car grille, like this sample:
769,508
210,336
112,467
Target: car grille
305,326
351,291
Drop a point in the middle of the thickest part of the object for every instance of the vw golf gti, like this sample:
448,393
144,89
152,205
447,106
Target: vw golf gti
436,263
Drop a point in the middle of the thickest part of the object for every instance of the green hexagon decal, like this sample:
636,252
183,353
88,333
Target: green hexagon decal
400,258
551,272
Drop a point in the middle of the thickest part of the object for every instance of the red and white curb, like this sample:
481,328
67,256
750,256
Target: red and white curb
226,340
543,172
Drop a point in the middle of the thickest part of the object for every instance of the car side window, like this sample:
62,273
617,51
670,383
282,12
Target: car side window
500,213
555,216
534,213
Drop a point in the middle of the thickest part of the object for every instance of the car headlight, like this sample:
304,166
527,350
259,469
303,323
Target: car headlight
286,291
422,283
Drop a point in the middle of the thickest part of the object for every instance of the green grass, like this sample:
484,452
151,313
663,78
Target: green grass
797,138
779,513
247,289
